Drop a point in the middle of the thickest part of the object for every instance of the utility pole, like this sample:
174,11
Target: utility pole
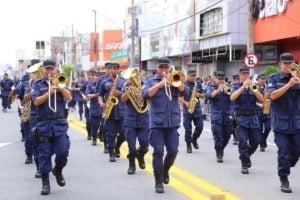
95,39
250,45
133,27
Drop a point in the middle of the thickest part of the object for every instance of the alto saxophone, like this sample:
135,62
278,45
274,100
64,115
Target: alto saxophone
193,100
111,100
266,103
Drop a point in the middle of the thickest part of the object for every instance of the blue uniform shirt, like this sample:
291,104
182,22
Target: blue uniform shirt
82,86
188,89
135,119
163,112
53,127
286,109
221,105
246,103
118,111
6,86
95,109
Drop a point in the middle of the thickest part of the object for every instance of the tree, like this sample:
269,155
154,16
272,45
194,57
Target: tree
271,69
67,69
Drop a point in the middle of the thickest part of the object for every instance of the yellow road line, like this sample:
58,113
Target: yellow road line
181,180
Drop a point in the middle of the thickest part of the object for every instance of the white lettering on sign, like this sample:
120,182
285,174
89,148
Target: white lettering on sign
113,46
273,7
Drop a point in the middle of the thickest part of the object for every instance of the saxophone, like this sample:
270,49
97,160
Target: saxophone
134,90
27,106
267,102
193,100
111,100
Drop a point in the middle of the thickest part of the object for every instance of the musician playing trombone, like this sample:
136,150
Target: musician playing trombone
164,121
245,97
51,125
284,91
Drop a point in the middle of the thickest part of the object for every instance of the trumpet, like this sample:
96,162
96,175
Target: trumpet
295,71
225,89
60,81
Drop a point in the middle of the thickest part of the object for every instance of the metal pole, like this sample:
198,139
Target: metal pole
133,12
95,41
250,45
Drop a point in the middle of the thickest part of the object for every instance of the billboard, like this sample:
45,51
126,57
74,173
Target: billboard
112,42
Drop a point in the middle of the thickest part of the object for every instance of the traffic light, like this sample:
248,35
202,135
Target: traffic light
37,45
42,44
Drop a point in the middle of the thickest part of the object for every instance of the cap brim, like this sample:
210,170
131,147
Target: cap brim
49,66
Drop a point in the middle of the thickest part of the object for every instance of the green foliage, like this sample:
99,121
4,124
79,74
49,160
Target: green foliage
67,69
271,69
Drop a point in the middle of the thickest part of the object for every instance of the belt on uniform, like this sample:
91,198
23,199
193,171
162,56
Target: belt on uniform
246,112
49,117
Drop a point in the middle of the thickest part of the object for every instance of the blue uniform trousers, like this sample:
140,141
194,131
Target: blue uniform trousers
113,128
4,102
160,137
244,135
288,151
142,134
221,134
27,139
32,122
265,128
187,123
59,146
82,105
94,124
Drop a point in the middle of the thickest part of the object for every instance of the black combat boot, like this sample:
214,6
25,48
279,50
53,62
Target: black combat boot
94,142
245,166
57,172
141,160
159,188
119,142
168,162
28,160
219,155
195,143
112,157
131,169
46,184
189,147
285,185
37,173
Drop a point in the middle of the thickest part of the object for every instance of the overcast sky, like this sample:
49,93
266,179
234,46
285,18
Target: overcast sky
25,21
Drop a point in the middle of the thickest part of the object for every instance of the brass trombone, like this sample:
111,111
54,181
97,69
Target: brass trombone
61,81
175,78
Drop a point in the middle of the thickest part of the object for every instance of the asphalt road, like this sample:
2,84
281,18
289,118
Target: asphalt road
89,174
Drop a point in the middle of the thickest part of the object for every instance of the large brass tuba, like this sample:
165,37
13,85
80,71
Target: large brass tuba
133,90
111,100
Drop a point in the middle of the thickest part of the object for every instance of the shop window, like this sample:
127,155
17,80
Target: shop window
266,52
211,22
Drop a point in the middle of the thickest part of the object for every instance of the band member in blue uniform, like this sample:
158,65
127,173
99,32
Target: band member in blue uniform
78,89
136,121
284,91
51,125
95,110
221,110
235,79
164,121
191,86
264,115
25,128
5,88
35,72
111,88
245,96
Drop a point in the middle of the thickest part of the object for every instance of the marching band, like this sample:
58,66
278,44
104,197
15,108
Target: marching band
119,107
